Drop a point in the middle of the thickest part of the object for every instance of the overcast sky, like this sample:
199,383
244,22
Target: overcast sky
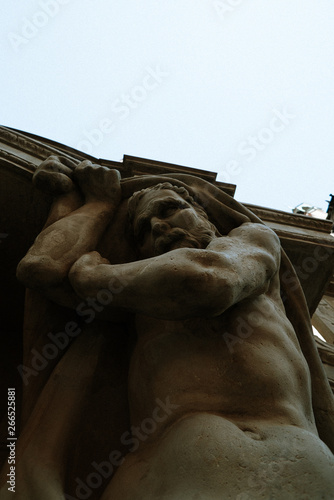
240,87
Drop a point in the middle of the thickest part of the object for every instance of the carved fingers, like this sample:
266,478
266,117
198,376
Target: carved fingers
54,175
59,175
98,183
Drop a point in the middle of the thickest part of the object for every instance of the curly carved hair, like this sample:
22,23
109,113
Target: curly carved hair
138,195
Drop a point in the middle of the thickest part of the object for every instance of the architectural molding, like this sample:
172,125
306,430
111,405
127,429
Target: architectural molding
323,320
25,144
294,220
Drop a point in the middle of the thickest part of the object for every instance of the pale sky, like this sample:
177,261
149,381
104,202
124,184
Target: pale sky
239,87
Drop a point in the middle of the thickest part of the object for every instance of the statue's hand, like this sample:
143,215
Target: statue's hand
54,175
98,184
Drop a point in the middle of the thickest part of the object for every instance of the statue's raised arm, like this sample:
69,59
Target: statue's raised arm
187,282
86,198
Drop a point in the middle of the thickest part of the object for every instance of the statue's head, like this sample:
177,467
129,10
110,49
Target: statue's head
165,217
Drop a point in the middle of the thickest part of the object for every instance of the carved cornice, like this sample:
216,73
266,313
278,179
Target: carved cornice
280,217
144,165
139,166
23,143
17,160
41,148
301,236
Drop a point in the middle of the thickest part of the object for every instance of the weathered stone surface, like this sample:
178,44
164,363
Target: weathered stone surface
162,349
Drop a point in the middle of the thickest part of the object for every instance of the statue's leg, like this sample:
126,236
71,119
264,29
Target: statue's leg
205,456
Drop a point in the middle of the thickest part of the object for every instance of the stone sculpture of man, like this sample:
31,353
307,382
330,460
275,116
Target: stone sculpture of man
216,369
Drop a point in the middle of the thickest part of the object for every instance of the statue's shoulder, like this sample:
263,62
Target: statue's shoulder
251,235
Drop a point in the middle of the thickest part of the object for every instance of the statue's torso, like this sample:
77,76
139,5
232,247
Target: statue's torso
246,362
221,419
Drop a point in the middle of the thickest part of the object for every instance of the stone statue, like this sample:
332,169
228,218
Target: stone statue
190,371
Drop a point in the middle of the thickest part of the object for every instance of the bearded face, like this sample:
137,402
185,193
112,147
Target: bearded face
164,221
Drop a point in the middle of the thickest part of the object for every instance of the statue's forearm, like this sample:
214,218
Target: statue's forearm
176,285
185,282
60,244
